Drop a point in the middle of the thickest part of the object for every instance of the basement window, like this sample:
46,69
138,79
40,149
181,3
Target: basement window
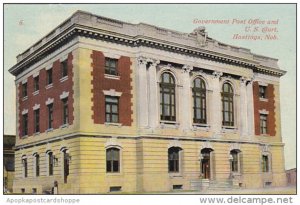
115,188
177,187
268,184
22,190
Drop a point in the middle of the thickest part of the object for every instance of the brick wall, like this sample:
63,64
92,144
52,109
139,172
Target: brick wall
260,105
44,94
100,83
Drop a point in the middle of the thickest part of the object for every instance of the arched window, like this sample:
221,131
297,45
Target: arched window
66,164
37,164
235,160
113,160
227,105
24,166
199,98
50,160
167,97
174,159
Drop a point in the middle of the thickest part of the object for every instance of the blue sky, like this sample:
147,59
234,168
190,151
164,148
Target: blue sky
26,24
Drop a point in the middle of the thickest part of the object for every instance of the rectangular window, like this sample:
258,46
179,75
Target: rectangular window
25,124
265,163
111,66
36,83
49,76
24,90
37,165
37,120
262,91
51,165
64,68
111,109
65,111
50,116
24,162
263,124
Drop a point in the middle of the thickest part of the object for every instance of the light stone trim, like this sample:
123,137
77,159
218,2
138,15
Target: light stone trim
64,95
111,55
264,111
262,83
112,142
63,58
48,67
25,111
49,101
24,81
36,74
36,107
175,143
112,92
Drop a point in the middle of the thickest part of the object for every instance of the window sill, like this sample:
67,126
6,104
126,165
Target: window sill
264,135
175,175
169,124
36,92
64,79
199,126
263,99
113,124
115,77
24,98
24,137
64,126
114,173
49,86
36,133
49,130
229,129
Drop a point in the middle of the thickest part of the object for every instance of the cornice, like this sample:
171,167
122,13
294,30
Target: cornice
70,29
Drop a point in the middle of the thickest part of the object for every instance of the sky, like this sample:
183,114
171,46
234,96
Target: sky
26,24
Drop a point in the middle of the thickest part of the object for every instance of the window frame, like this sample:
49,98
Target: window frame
265,164
25,124
228,97
64,68
49,75
25,167
108,68
110,163
36,83
168,89
263,124
111,113
263,94
174,160
199,93
235,161
50,115
37,165
24,90
50,163
65,111
37,120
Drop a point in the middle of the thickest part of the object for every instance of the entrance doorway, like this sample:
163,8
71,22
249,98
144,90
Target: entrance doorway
205,163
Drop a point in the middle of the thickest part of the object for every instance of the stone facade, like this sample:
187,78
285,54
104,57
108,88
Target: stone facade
143,141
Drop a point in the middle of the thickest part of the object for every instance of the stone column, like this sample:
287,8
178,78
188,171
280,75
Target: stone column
216,109
250,108
153,110
142,94
243,108
186,118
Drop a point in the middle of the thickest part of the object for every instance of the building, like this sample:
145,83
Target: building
291,175
105,105
8,162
